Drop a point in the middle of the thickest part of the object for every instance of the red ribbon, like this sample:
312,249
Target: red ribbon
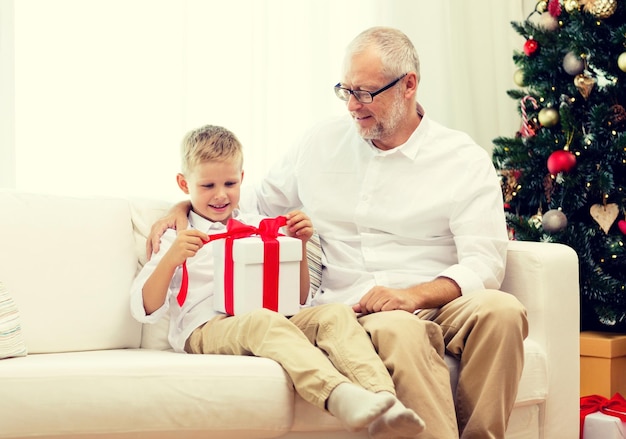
615,406
268,231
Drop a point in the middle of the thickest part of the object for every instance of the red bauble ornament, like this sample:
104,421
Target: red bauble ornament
530,46
622,226
561,161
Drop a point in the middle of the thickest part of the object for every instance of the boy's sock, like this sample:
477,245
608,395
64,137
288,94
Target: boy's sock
396,423
356,407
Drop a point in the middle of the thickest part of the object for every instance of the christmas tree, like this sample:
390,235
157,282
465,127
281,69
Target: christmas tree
564,172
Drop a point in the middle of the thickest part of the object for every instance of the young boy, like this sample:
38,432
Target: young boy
212,172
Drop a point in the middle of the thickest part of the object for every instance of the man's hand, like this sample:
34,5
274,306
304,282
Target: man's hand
433,294
385,299
176,219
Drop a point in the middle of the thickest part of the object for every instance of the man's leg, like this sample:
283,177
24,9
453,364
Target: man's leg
334,328
485,331
412,350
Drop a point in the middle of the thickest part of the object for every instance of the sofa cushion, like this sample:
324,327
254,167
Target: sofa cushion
139,390
70,274
11,340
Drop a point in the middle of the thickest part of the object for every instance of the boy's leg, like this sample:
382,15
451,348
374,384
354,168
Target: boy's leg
335,329
267,334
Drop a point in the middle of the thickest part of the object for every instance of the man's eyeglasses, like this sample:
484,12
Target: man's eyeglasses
364,97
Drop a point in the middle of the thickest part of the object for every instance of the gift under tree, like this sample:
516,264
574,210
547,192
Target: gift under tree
564,172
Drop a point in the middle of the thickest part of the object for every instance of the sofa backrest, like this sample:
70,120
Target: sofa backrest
144,212
69,263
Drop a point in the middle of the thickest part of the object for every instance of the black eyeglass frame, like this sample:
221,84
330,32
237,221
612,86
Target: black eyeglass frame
356,93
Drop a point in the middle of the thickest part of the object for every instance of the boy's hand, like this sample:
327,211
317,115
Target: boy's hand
176,218
186,245
299,225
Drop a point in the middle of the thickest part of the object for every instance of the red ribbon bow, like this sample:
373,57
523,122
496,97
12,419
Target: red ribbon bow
615,406
268,231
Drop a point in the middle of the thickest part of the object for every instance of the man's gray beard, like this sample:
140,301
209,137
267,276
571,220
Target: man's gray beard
387,127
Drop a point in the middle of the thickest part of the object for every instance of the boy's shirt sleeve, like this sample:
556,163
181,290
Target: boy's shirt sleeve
136,295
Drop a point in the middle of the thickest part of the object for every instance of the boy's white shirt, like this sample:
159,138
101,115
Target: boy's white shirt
198,306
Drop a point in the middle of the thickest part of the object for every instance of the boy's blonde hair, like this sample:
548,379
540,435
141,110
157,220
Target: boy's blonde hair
209,143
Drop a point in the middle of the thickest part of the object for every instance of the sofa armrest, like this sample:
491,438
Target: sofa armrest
544,277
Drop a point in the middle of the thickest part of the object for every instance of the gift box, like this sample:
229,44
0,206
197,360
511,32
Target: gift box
601,426
602,363
253,285
602,418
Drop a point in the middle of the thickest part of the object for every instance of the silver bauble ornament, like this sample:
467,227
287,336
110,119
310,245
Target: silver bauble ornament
621,61
553,221
548,117
548,22
573,64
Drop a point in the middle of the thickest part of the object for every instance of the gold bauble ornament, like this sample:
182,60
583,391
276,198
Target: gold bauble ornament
548,117
535,220
518,77
542,6
571,5
621,62
601,8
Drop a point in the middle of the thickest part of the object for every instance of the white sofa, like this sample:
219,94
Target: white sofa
93,372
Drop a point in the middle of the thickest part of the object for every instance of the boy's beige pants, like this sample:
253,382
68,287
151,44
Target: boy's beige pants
325,345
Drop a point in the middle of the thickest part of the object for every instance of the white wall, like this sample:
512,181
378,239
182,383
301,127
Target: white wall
103,90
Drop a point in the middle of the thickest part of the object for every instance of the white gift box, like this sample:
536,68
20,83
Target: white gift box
248,255
601,426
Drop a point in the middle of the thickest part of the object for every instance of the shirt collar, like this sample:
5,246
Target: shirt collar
409,148
204,225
